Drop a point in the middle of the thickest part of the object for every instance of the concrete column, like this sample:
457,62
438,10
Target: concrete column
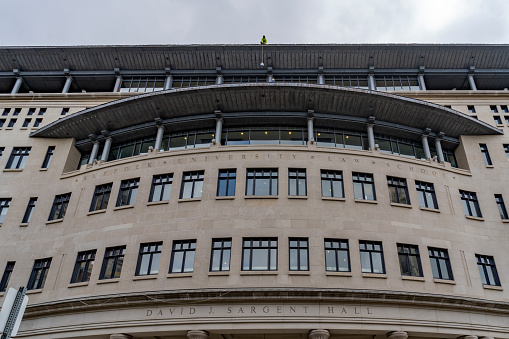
397,335
219,127
168,82
422,84
67,85
159,137
319,334
117,84
93,154
269,74
197,334
471,82
371,134
219,79
438,147
17,85
321,79
372,82
425,144
120,336
107,146
311,118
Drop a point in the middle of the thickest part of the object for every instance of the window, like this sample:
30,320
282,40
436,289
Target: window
363,186
149,258
221,252
2,122
506,150
59,206
259,254
372,257
127,192
101,197
332,184
83,266
297,181
4,207
226,182
337,255
493,109
409,260
39,274
470,204
30,210
112,263
42,111
2,151
398,190
161,187
506,117
26,123
141,84
37,122
12,122
440,264
16,111
64,111
504,108
48,156
498,119
485,154
182,256
471,109
6,111
261,181
6,276
487,269
501,206
18,158
31,111
426,194
299,254
192,185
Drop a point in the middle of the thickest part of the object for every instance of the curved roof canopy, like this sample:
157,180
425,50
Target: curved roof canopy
255,103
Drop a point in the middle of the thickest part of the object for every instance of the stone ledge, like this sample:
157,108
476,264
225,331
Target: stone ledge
13,169
375,275
411,277
49,222
444,281
145,277
261,197
259,272
189,200
154,203
80,284
492,287
108,281
298,197
123,207
436,210
365,201
474,218
333,199
338,274
401,205
97,212
229,197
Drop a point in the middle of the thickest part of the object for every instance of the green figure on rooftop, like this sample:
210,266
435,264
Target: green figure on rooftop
263,41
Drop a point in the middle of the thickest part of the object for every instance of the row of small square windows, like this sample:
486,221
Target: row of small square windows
259,182
258,254
31,111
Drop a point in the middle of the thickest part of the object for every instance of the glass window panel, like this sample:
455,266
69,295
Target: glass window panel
189,263
377,262
177,262
154,268
126,151
260,259
365,262
264,137
292,137
443,269
145,260
357,190
226,260
368,192
325,139
178,142
198,188
204,139
407,150
238,138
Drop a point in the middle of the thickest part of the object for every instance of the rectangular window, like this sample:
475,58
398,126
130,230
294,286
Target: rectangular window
363,186
192,185
501,206
48,156
31,111
127,192
37,122
471,109
17,111
30,210
299,254
259,254
440,264
220,257
470,204
485,154
398,190
297,181
12,122
64,111
161,187
83,266
226,182
18,158
6,111
506,117
332,184
2,151
506,150
504,108
39,274
101,197
487,269
498,119
26,123
112,263
182,256
6,276
261,181
426,194
149,258
4,207
59,206
409,260
493,109
372,257
337,255
42,111
2,122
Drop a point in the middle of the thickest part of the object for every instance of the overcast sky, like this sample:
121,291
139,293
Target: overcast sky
124,22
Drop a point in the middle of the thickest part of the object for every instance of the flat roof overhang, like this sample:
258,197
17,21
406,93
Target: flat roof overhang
268,103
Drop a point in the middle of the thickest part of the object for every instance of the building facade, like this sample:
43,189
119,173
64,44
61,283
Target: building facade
339,191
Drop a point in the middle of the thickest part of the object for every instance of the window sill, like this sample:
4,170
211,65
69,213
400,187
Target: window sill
13,170
25,224
299,273
375,275
505,221
366,201
492,287
80,284
9,128
162,202
229,197
298,197
412,277
436,210
260,197
258,272
444,281
43,169
180,275
490,166
338,274
333,199
219,273
49,222
39,290
123,207
500,125
34,128
108,281
474,218
23,128
97,212
145,277
395,204
189,200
